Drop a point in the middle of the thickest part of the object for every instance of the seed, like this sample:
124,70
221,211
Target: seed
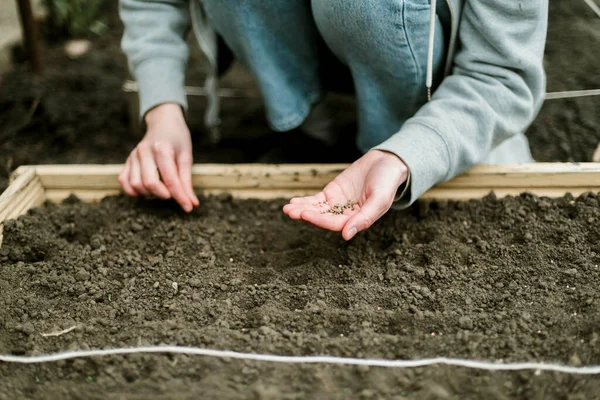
339,209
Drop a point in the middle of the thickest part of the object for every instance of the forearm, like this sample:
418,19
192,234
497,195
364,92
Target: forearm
155,44
494,92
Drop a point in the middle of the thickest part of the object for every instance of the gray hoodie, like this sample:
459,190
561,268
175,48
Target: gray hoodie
493,87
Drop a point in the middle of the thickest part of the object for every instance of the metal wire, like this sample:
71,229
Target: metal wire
593,6
572,94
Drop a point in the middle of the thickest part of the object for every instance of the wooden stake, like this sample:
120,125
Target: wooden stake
30,36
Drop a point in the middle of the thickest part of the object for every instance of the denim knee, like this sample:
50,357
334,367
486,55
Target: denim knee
276,40
385,44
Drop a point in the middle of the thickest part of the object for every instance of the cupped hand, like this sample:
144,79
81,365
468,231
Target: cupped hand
371,182
161,164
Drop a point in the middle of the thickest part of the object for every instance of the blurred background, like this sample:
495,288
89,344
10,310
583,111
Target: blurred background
75,109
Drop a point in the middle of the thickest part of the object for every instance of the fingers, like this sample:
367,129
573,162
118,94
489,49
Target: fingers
135,175
298,205
165,160
184,164
295,211
326,221
124,180
145,168
375,206
318,198
149,174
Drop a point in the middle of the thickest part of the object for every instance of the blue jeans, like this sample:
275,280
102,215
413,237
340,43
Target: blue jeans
383,44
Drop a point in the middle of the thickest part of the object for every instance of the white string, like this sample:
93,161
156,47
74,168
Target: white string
485,365
572,94
593,6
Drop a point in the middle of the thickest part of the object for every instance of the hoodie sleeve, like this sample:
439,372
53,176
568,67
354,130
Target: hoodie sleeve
155,44
494,92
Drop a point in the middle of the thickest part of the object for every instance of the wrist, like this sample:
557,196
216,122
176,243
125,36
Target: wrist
398,164
162,112
382,154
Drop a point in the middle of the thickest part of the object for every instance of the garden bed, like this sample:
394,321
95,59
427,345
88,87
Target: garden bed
505,280
511,279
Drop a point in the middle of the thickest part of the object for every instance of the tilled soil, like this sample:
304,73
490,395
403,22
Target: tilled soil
513,280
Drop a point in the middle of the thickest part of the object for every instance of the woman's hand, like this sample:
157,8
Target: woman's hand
371,182
161,164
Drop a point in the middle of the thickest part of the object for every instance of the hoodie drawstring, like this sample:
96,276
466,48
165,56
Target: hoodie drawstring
207,40
429,79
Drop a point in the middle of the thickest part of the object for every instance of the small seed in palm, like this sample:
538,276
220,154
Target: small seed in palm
339,208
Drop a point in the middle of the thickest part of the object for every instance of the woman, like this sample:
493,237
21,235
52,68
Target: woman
440,86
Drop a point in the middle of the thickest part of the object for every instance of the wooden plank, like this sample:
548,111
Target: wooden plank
17,192
560,175
25,192
92,182
87,195
29,196
207,176
440,193
313,177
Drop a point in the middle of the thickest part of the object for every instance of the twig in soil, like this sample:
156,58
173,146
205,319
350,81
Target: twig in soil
11,132
63,332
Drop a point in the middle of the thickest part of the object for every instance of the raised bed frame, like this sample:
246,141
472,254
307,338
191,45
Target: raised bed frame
31,186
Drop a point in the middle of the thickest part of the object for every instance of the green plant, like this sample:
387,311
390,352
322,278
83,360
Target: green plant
76,17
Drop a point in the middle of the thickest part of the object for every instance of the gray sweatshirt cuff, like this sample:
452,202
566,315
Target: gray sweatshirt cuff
426,155
160,80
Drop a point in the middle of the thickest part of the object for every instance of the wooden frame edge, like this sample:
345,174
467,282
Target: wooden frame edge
32,185
269,181
24,192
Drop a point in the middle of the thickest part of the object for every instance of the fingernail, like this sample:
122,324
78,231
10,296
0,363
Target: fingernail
351,233
187,208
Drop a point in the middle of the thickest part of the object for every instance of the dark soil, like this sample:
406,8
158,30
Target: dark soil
514,279
81,113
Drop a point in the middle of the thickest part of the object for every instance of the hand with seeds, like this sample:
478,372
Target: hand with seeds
356,198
